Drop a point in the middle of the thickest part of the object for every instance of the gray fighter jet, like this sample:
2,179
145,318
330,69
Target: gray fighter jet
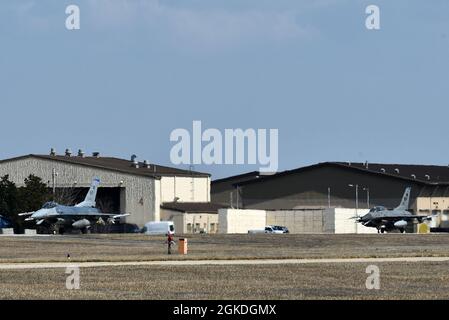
387,220
57,218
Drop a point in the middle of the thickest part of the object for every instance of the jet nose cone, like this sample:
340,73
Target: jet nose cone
38,214
364,218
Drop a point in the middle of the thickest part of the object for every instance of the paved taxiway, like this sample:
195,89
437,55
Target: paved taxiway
53,265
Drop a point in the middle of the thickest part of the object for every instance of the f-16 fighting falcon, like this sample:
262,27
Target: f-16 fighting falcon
59,218
387,220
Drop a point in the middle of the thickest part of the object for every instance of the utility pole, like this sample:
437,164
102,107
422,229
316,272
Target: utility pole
356,197
54,174
237,200
367,196
329,197
231,199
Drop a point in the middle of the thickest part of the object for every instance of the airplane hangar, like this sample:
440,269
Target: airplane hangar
127,186
302,198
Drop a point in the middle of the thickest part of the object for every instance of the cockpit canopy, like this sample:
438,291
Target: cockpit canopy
377,208
49,205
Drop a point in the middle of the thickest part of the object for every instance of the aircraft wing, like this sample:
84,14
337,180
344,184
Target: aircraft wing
407,217
114,215
399,217
25,214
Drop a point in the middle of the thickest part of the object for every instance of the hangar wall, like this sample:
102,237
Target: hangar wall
140,198
187,189
309,189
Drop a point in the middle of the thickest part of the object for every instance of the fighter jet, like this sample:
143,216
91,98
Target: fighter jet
387,220
59,218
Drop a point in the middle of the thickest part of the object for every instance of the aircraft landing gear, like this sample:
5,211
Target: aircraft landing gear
53,229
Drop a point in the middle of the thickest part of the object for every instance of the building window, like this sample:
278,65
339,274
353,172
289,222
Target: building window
189,228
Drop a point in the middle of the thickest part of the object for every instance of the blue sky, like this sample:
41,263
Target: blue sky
136,70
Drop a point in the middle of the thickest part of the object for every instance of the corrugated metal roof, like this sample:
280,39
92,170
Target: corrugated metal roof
425,174
116,164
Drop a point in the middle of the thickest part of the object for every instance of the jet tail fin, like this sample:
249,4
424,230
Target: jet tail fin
89,201
405,200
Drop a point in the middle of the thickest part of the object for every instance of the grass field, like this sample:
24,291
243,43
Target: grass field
140,247
423,280
329,281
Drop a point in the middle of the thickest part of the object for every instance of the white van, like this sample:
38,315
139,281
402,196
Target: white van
159,227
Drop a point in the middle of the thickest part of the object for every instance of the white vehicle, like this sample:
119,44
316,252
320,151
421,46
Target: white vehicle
159,228
268,229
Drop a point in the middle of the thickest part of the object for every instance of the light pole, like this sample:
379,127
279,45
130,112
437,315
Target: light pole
367,196
54,174
356,197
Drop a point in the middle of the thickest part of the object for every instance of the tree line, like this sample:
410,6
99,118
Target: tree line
28,198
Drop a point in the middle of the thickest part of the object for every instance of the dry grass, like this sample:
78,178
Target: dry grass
141,247
323,281
314,281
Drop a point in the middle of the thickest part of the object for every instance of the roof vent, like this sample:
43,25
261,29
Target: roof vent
427,177
146,164
68,152
53,152
135,164
80,153
396,170
413,176
382,170
96,154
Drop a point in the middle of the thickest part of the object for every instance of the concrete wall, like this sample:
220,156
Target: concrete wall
297,221
191,222
338,220
187,189
139,195
335,220
240,221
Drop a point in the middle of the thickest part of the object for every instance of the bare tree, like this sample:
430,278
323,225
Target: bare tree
66,196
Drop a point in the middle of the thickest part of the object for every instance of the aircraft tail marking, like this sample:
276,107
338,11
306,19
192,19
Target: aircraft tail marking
405,200
89,201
